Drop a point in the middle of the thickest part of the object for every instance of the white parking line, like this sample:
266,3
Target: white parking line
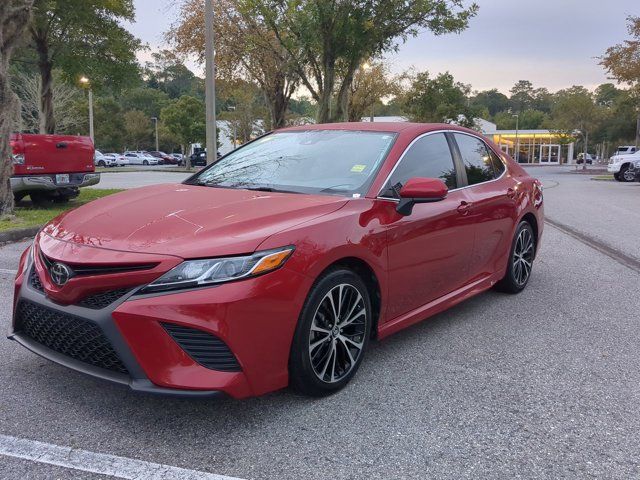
7,271
100,463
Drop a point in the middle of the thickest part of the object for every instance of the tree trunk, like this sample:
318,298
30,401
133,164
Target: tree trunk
47,118
325,115
8,112
14,16
342,110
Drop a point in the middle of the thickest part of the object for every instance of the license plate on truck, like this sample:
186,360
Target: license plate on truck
62,178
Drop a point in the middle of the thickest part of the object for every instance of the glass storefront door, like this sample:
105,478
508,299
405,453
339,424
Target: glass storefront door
550,154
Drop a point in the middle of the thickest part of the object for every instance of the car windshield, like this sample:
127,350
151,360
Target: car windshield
341,162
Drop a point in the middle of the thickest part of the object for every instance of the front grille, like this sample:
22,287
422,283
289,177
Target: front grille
66,334
102,300
34,280
87,269
204,348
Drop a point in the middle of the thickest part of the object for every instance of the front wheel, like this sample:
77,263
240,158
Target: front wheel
332,334
144,162
617,177
521,257
628,175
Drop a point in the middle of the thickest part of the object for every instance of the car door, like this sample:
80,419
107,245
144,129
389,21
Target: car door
493,196
133,158
429,250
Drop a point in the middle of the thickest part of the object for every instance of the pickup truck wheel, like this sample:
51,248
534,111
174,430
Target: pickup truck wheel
628,175
617,176
623,174
40,198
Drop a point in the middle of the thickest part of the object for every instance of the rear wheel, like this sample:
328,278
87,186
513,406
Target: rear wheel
332,334
520,260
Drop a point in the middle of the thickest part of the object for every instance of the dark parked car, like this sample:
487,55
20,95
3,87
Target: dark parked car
164,159
199,159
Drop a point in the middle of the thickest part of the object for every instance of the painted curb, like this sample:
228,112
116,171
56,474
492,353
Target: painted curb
19,234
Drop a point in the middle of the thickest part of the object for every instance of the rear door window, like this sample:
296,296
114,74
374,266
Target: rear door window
477,162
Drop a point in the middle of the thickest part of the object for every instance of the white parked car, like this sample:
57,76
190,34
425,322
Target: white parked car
102,160
619,166
140,158
119,159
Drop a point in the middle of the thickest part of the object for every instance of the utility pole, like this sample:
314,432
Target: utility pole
155,120
212,154
517,158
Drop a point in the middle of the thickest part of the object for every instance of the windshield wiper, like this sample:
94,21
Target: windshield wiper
268,189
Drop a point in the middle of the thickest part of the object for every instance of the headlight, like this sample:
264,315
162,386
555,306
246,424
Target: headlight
18,159
200,273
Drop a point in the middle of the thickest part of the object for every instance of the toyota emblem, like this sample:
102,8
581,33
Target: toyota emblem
60,273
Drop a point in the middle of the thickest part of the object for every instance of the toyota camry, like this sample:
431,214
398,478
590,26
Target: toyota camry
279,263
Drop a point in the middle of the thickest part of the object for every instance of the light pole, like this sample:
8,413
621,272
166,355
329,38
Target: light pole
366,66
231,108
155,120
87,83
517,137
210,82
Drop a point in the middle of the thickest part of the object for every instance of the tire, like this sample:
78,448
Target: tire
617,177
627,175
145,162
40,199
518,271
325,357
102,164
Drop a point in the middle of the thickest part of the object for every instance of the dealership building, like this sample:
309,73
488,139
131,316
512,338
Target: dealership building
543,147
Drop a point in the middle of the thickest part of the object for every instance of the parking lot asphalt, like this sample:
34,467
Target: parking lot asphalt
540,385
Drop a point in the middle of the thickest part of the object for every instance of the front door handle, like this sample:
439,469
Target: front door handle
511,193
464,208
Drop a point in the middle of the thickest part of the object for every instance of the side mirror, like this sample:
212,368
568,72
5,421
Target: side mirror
420,190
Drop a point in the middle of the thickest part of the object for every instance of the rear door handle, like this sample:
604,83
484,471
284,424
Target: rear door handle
464,208
511,193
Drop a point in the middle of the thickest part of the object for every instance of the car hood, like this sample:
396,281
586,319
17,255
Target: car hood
188,221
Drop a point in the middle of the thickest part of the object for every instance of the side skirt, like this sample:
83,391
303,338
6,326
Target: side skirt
439,305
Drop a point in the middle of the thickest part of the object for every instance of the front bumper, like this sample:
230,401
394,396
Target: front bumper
255,318
30,183
613,167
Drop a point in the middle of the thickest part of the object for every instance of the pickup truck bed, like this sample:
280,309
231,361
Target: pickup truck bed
51,167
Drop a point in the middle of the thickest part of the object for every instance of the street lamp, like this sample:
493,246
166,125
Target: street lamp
517,137
366,66
210,83
155,120
87,84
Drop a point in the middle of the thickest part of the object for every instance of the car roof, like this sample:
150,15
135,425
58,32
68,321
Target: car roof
389,127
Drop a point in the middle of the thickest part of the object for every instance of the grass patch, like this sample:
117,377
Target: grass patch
603,178
147,169
28,215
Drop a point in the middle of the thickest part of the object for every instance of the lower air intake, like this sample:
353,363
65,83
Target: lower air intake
204,348
66,334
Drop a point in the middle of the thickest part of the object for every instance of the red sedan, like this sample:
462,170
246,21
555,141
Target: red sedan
279,263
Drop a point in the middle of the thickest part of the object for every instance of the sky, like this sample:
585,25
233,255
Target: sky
552,43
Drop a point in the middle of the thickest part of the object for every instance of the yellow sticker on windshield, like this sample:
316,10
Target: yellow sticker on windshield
358,168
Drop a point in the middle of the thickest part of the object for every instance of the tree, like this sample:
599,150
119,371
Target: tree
574,110
327,41
169,74
151,101
370,85
527,120
492,100
81,37
65,98
14,17
138,128
521,96
622,61
242,112
439,99
245,48
110,129
185,119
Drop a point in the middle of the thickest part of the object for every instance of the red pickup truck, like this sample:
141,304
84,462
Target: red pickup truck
51,167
